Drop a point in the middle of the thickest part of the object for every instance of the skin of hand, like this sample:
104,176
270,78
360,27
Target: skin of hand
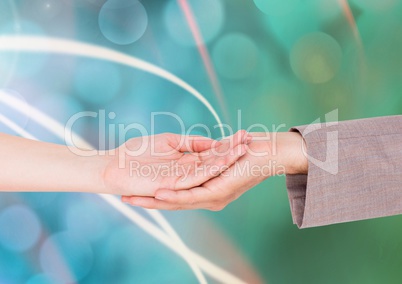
267,155
141,166
39,166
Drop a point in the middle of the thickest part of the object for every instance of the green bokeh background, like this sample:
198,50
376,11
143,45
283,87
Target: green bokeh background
281,63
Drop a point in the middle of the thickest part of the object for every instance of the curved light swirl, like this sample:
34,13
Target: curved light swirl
171,242
63,46
57,129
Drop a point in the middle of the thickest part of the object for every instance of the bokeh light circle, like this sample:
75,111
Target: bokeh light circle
235,56
20,228
316,58
97,82
64,253
123,21
83,218
208,15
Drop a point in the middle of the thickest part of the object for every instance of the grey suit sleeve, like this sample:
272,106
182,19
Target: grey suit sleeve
355,172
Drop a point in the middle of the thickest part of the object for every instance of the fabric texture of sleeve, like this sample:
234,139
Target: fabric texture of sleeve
354,172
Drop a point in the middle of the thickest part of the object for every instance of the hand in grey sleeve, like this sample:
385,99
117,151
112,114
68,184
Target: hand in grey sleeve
354,172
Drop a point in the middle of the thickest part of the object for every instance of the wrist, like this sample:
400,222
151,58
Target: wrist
89,174
292,151
105,173
283,151
263,153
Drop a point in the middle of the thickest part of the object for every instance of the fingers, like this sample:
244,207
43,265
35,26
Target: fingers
221,149
152,203
195,143
208,166
199,143
195,198
192,144
241,136
196,168
217,189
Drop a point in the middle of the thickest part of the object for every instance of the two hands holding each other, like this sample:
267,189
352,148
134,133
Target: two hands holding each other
200,173
172,172
165,171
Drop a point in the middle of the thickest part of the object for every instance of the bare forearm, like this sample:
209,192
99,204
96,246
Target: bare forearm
28,165
36,166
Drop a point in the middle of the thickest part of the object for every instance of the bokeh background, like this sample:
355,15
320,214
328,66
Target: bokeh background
278,62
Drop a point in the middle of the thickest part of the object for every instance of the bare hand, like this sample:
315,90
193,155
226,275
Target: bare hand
265,157
144,165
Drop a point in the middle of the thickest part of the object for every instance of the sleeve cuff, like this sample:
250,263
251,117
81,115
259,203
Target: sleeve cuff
354,172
